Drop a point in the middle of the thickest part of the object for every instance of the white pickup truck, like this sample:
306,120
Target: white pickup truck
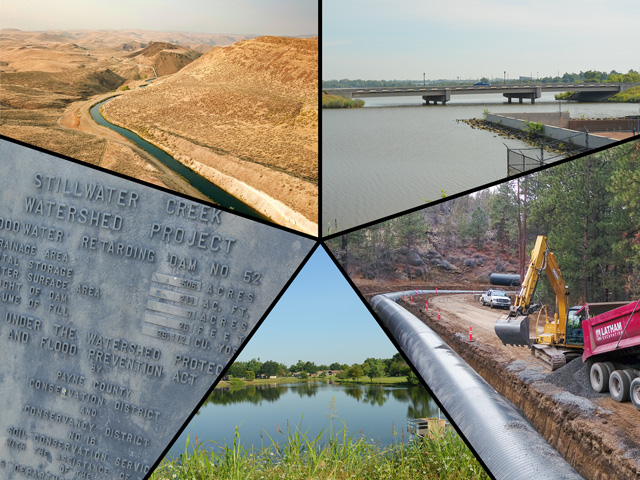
496,299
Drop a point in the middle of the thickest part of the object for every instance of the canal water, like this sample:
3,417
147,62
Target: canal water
395,154
210,190
372,411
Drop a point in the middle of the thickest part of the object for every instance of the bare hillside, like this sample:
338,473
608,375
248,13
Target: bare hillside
249,111
165,58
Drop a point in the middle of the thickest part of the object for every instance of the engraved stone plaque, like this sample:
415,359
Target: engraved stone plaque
120,305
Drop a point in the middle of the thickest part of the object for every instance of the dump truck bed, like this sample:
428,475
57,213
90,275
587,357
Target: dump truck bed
613,331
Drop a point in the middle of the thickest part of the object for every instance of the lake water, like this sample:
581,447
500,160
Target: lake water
395,153
366,410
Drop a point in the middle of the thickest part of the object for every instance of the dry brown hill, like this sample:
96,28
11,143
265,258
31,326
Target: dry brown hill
200,42
255,101
165,58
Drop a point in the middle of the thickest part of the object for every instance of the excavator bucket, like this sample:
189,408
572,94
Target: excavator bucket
513,330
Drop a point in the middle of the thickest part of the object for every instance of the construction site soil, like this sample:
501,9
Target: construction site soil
596,435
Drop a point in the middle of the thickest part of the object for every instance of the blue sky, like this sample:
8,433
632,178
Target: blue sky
261,17
378,39
320,319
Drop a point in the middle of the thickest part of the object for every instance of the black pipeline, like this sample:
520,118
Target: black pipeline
507,444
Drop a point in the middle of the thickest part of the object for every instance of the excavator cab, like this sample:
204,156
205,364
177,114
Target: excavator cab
574,335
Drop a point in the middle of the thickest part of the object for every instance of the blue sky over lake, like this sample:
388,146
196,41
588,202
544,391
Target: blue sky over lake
320,319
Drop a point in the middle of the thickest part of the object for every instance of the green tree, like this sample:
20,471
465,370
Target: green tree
412,378
573,205
269,368
250,375
355,371
503,213
476,229
373,368
625,187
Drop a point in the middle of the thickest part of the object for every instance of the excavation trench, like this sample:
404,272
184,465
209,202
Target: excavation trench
597,436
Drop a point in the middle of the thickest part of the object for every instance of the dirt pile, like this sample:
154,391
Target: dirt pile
248,111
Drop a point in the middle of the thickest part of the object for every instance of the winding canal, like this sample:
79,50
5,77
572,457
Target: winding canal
210,190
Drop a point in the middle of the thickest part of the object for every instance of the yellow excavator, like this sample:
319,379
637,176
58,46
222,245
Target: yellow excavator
562,335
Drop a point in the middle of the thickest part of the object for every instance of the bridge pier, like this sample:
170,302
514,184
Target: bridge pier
436,97
522,95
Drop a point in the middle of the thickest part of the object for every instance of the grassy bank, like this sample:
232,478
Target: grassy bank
632,95
336,101
293,456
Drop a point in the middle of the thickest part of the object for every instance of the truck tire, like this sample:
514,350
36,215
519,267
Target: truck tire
610,366
599,377
619,386
634,392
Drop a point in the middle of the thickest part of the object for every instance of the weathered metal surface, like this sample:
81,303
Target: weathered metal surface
120,305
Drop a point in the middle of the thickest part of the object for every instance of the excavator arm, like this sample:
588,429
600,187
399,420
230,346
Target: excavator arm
515,328
538,262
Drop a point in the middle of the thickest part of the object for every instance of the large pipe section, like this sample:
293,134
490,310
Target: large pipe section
505,279
507,444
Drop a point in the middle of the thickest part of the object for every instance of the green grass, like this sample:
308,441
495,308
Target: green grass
336,101
632,95
291,455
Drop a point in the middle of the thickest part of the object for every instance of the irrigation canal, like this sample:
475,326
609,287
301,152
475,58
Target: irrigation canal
210,190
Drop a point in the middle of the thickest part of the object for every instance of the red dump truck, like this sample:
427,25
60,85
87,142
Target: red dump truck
612,349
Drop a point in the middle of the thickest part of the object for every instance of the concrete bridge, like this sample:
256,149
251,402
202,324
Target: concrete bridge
586,92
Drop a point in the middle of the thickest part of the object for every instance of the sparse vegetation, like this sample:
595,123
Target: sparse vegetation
534,129
336,101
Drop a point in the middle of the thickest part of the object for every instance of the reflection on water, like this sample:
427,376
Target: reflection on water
380,161
372,410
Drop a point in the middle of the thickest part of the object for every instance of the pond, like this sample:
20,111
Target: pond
371,410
